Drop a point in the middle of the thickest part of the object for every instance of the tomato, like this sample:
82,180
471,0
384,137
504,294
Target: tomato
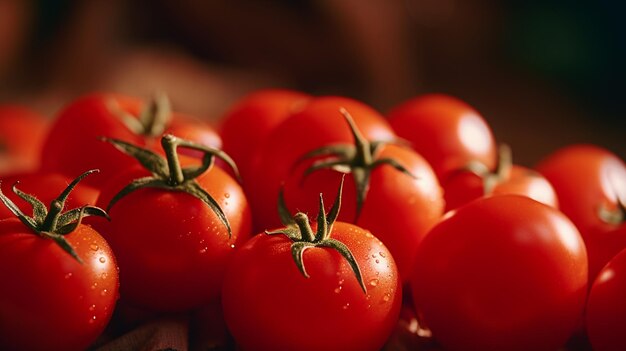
590,183
318,124
47,186
21,136
402,199
501,273
249,122
446,131
60,280
476,181
606,307
340,293
74,142
173,237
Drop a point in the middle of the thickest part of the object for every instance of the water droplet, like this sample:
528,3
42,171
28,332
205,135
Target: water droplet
226,195
382,254
374,282
338,289
68,275
92,308
104,292
94,247
94,286
92,320
232,246
203,250
225,203
102,259
369,235
104,275
345,307
369,306
341,281
387,297
377,261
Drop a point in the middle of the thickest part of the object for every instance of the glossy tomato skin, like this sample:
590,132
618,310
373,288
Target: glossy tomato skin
318,124
585,177
47,186
269,305
247,124
73,144
501,273
50,301
606,307
448,132
22,133
171,247
464,187
400,209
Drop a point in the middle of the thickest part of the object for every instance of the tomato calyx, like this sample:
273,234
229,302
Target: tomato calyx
168,174
53,223
491,179
358,159
153,118
616,216
298,230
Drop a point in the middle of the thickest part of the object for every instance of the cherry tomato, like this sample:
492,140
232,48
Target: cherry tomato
501,273
74,142
173,237
60,280
476,181
606,307
274,301
22,132
249,122
446,131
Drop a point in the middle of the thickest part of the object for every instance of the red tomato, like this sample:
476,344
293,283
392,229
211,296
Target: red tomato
477,181
21,136
501,273
590,183
318,124
247,124
586,178
606,307
172,247
51,300
446,131
47,186
74,143
273,303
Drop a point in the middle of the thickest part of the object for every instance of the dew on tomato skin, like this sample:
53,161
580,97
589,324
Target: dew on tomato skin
374,282
104,292
94,247
225,203
373,256
232,246
346,306
338,289
204,250
227,195
92,320
377,261
92,308
68,275
103,275
94,286
102,259
386,297
382,254
369,235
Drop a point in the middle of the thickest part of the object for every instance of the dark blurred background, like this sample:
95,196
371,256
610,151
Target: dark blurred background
544,73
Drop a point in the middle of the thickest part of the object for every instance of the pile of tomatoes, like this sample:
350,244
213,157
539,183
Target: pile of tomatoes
305,223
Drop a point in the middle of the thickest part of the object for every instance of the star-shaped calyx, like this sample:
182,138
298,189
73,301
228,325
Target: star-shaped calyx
299,231
153,119
167,172
358,159
53,223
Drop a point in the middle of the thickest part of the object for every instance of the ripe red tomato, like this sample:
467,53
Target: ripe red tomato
173,238
21,136
477,181
318,124
278,296
74,143
446,131
247,124
590,183
606,307
51,300
47,186
501,273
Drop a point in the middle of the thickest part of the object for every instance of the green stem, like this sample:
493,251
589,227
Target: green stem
363,155
170,145
302,221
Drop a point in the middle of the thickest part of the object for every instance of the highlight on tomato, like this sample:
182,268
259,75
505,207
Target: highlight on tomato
60,278
22,133
501,273
327,285
174,224
74,141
